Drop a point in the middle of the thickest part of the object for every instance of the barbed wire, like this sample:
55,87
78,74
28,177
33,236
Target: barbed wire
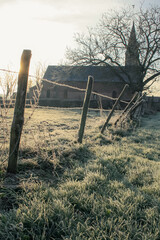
82,90
10,71
65,85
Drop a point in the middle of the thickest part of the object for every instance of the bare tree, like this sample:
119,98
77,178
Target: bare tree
40,69
35,82
124,41
7,84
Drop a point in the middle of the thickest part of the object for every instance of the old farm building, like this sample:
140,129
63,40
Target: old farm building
107,80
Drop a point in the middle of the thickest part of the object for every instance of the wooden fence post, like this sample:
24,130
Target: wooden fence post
100,105
138,102
85,108
136,107
114,106
126,108
18,118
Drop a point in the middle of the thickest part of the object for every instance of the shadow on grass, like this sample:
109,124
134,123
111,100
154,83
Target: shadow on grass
48,166
10,189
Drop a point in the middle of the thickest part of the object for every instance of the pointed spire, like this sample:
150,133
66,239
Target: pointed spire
132,39
132,55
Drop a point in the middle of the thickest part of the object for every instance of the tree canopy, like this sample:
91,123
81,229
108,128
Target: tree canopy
126,39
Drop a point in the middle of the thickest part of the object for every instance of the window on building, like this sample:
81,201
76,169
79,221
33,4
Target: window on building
55,92
95,97
48,93
65,94
114,94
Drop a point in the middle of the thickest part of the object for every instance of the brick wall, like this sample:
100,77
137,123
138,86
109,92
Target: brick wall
51,91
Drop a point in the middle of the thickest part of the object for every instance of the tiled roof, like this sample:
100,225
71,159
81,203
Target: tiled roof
81,73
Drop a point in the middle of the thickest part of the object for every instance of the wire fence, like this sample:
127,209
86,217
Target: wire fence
66,86
20,104
5,124
44,133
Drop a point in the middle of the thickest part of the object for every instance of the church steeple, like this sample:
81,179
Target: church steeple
132,55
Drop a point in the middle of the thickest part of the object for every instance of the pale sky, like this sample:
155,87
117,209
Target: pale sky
46,27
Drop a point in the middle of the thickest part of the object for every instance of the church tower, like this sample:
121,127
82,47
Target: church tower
132,55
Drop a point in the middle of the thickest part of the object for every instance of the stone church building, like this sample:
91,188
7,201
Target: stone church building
108,81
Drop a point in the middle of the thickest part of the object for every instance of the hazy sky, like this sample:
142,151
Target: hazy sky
46,27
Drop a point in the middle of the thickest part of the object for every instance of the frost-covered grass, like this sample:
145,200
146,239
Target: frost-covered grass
106,188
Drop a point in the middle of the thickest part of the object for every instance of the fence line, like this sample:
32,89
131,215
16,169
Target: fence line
68,86
10,71
81,89
18,118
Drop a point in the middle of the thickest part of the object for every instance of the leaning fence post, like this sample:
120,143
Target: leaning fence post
85,108
135,104
114,106
18,118
126,108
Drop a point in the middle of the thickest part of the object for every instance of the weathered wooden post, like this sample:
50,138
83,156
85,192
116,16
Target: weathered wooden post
126,108
18,118
135,114
100,105
85,108
138,102
114,106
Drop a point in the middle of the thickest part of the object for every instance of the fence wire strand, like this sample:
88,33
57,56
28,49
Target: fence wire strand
60,85
65,85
